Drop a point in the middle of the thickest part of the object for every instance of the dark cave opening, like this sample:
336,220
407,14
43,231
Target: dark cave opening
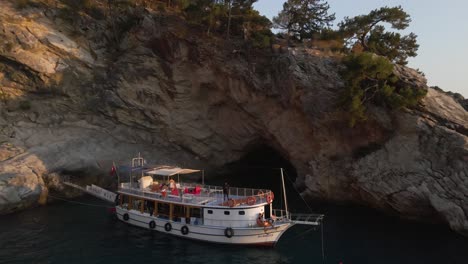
260,169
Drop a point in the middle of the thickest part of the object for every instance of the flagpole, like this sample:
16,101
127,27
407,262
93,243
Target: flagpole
118,175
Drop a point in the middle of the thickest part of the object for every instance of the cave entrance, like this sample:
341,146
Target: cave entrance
259,169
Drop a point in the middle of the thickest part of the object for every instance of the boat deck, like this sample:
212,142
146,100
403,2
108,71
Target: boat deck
201,195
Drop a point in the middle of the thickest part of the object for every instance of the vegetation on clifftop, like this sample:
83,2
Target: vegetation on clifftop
370,79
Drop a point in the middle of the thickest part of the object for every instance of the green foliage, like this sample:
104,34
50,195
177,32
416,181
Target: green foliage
72,9
161,7
261,39
79,4
369,79
236,17
368,33
20,4
204,12
303,18
328,40
24,105
17,76
182,4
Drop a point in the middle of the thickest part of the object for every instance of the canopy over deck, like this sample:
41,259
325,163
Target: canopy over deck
170,171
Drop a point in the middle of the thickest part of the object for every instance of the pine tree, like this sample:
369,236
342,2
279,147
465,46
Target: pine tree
367,33
303,18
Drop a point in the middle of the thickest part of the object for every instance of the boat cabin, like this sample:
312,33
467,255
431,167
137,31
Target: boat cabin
158,191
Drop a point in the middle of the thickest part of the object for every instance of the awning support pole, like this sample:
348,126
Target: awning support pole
284,194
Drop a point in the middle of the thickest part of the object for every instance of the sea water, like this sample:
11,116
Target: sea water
85,231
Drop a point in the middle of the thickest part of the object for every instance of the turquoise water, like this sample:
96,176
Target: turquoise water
71,233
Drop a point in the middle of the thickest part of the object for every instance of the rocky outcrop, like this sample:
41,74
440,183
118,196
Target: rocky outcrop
74,104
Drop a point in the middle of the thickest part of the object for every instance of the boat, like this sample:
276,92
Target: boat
155,198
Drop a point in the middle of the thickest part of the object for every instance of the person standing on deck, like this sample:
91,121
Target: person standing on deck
226,190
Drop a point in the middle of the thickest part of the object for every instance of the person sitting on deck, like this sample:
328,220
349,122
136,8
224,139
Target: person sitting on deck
226,190
262,222
155,187
172,184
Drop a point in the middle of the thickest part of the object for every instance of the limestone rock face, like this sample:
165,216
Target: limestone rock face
74,100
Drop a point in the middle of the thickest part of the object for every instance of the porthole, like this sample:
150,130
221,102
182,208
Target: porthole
241,212
227,212
210,211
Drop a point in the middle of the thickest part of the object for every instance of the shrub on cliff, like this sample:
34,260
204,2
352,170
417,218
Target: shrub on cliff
367,33
369,79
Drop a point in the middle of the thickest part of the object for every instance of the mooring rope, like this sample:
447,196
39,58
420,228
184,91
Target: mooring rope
323,242
310,209
80,203
292,183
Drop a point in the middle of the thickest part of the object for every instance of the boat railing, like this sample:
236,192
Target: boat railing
233,191
306,219
279,213
213,194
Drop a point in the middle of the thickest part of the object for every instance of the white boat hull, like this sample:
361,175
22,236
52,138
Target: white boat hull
216,234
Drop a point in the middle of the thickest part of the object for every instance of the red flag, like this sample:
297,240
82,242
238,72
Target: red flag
113,170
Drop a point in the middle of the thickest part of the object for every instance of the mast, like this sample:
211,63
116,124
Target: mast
284,194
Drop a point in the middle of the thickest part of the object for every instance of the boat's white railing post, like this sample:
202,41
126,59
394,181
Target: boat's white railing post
284,194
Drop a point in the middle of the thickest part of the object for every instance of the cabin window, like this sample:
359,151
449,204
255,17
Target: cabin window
195,212
241,212
227,212
163,209
178,211
210,211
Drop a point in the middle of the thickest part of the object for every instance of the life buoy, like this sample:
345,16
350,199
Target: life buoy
231,203
229,232
270,197
126,217
168,227
184,230
251,200
152,224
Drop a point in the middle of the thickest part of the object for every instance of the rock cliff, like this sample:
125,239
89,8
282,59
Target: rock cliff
73,98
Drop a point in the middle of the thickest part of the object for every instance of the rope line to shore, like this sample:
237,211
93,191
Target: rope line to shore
80,203
310,209
292,183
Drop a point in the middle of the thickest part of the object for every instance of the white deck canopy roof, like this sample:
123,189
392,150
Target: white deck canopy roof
169,171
